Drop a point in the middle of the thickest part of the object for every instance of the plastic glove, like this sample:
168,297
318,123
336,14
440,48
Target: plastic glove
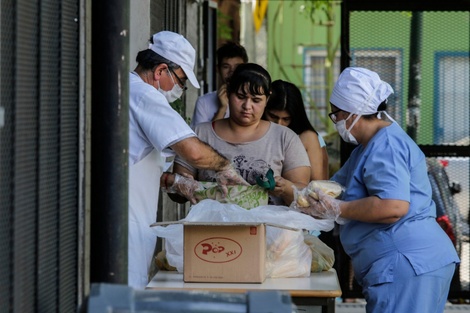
185,185
229,176
326,207
323,206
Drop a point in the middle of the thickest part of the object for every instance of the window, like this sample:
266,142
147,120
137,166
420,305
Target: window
388,64
315,96
451,106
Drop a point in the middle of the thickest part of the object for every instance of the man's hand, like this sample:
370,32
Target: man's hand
229,176
222,95
223,103
185,185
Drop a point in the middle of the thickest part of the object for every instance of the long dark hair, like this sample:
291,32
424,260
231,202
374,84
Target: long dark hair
250,78
287,97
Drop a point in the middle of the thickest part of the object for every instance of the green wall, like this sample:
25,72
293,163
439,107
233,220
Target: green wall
442,32
290,31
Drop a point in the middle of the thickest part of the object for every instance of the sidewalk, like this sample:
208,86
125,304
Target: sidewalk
361,308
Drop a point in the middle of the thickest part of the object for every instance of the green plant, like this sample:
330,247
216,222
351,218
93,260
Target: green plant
224,31
178,106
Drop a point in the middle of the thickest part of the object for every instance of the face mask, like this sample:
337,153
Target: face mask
175,93
346,133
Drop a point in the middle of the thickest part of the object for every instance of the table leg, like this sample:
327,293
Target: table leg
327,304
329,307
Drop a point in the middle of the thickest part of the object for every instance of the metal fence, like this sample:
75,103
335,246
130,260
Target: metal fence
423,51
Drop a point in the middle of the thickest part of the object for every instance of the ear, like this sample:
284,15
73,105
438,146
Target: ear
157,73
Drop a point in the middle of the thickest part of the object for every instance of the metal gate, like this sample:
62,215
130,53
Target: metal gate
422,49
39,156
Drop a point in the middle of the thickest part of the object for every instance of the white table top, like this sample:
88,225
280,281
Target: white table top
323,284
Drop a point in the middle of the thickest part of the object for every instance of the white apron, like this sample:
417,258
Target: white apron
144,185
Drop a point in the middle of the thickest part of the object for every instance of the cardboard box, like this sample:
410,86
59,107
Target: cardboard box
224,252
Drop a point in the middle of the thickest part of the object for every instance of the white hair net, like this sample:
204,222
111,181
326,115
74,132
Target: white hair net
359,91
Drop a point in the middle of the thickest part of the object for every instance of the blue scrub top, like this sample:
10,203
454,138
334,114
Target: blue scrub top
392,166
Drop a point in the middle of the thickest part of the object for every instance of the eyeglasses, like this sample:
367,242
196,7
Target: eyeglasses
332,115
180,81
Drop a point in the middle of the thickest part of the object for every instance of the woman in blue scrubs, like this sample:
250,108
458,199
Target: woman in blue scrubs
401,257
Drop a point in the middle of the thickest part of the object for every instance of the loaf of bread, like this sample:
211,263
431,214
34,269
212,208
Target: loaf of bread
328,187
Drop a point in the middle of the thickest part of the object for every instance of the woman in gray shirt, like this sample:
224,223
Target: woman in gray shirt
253,145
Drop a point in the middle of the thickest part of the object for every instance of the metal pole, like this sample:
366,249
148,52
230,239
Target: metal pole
414,91
109,138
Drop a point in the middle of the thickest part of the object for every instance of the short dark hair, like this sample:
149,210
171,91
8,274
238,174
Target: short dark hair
250,77
287,97
149,59
382,107
231,49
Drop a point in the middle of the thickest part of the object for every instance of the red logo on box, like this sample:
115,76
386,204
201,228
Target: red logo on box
218,250
253,230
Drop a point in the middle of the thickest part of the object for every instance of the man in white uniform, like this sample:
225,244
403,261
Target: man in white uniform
156,131
214,105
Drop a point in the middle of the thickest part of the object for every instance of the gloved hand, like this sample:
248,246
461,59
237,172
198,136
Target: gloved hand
185,185
323,206
229,176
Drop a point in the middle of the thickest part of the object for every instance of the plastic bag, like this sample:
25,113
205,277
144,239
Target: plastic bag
323,257
286,253
245,196
292,262
303,198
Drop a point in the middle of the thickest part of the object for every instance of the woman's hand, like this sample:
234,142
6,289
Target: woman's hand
323,206
282,188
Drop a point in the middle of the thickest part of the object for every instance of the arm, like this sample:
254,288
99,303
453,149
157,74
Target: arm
317,156
200,155
298,176
369,210
326,163
374,210
222,103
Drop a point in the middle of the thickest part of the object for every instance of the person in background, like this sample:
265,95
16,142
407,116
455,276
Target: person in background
155,132
401,257
286,107
253,145
214,105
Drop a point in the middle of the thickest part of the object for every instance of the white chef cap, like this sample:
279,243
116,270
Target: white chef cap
359,91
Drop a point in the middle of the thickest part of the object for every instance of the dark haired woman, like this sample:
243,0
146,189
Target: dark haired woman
286,107
253,145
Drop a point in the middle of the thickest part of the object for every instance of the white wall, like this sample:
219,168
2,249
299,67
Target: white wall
139,32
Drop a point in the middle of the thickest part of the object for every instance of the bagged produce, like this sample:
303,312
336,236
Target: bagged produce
245,196
323,257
